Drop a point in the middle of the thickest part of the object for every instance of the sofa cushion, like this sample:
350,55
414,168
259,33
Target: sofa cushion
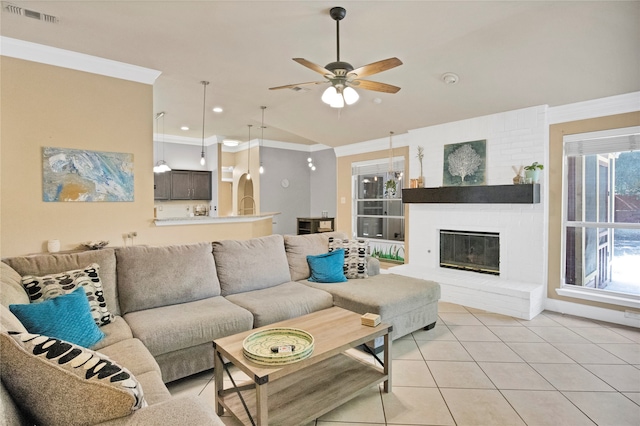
174,327
134,355
252,264
11,290
355,256
61,383
54,263
298,247
114,332
387,295
9,322
67,317
150,277
327,267
49,286
288,300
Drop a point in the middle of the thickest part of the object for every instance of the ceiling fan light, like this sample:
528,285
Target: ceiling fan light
329,95
350,95
337,102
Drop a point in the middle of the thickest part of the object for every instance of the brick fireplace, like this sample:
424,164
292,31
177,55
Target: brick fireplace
513,138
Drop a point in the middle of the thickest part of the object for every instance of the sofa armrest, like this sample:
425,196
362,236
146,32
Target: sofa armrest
178,411
373,266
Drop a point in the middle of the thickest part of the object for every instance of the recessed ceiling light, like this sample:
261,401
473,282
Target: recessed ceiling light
217,109
377,100
184,128
230,142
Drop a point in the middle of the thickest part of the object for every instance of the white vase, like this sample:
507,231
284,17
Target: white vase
53,246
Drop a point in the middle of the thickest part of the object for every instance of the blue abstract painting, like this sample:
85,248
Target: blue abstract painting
80,175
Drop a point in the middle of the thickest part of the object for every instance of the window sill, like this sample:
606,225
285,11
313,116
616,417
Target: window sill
601,296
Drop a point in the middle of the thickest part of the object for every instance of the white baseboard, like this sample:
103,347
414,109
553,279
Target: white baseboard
592,312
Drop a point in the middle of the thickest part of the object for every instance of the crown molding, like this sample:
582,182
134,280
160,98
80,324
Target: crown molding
34,52
185,140
399,140
612,105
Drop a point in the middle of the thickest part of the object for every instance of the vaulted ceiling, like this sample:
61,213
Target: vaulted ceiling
508,55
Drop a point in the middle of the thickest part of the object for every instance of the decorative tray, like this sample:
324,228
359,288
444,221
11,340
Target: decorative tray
278,346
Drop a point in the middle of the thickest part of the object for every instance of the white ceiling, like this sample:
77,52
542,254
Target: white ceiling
508,54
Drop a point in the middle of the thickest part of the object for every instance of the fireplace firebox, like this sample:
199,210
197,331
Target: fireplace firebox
470,251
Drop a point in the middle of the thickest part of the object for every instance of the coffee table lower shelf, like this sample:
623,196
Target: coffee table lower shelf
304,395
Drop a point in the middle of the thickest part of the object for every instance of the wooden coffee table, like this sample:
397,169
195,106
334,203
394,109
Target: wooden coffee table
297,393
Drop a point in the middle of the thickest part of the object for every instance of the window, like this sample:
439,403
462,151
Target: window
601,219
378,209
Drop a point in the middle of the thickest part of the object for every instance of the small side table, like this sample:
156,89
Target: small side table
314,225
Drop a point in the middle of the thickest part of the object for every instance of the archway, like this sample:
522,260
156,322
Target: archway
246,202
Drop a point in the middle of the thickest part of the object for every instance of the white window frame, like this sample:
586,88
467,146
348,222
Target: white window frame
591,143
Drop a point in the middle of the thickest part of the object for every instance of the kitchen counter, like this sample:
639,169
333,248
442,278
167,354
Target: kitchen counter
207,220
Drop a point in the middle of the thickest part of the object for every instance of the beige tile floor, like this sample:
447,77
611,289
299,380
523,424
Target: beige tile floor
480,368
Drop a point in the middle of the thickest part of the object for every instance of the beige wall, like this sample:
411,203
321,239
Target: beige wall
344,213
44,105
556,134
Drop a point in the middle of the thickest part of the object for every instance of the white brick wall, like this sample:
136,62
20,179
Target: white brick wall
514,138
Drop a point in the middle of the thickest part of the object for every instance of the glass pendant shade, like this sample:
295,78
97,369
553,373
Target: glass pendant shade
337,102
350,95
329,95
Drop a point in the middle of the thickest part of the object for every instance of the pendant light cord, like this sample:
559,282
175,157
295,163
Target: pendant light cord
204,107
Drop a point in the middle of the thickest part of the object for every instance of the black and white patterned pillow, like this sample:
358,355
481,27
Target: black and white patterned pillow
62,383
47,287
355,256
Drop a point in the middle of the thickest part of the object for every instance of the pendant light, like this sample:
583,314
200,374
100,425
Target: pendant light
204,105
390,152
249,153
261,170
161,166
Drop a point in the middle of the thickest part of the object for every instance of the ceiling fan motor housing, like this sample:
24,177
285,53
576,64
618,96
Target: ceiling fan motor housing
339,68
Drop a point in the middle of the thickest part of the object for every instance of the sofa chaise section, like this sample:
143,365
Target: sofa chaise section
408,304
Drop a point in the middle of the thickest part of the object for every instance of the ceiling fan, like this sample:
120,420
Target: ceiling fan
343,77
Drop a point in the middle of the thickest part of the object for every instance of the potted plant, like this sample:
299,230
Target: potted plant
533,172
390,187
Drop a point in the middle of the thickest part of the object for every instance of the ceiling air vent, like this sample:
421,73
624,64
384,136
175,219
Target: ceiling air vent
17,10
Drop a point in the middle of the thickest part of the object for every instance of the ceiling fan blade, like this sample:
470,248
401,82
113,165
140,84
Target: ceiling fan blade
315,67
374,85
291,86
374,68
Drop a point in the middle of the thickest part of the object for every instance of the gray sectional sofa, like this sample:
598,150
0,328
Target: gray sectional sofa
169,303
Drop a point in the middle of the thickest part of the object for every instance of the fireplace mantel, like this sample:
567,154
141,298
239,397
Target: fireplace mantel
485,194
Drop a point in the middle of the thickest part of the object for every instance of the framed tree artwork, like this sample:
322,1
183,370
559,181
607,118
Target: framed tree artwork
465,163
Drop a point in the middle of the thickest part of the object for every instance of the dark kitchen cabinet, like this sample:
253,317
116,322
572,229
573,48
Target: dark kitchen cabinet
190,185
162,186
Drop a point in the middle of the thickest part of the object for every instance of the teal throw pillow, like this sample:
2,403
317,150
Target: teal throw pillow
327,267
66,317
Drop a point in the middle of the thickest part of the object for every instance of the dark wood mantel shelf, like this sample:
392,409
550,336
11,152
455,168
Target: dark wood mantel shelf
486,194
